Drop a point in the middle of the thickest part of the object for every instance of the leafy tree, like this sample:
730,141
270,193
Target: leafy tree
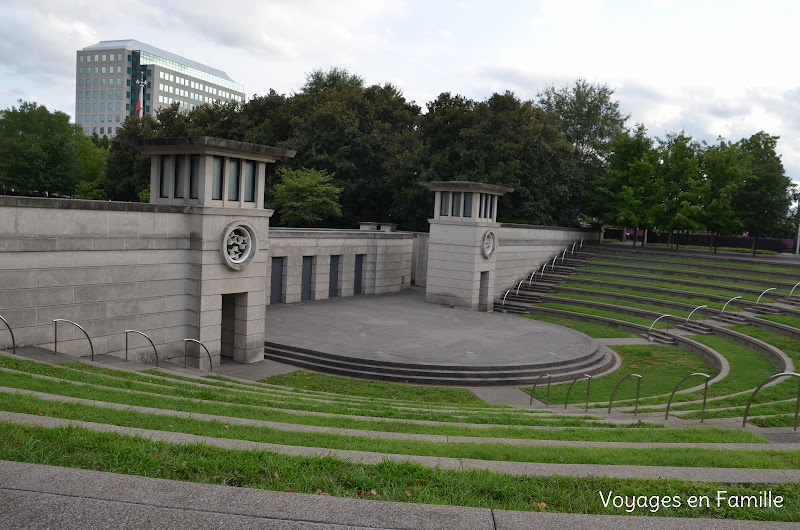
128,171
677,185
764,199
305,197
625,194
92,156
590,120
334,79
724,167
38,150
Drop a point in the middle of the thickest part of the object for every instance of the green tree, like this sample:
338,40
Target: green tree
305,197
128,171
38,150
724,167
625,194
590,120
764,199
92,156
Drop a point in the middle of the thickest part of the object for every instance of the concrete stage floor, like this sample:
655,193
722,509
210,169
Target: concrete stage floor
402,328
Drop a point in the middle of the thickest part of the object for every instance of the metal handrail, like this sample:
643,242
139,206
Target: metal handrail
656,320
55,333
728,302
638,386
143,335
793,288
13,341
692,313
588,387
210,362
753,395
533,390
705,394
765,292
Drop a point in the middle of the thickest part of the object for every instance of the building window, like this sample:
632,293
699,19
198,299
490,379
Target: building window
233,179
216,179
180,170
456,204
249,181
194,177
164,177
468,204
444,204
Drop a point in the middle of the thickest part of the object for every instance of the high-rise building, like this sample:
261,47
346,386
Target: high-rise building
108,77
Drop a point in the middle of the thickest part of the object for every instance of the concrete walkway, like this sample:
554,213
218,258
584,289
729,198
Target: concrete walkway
45,497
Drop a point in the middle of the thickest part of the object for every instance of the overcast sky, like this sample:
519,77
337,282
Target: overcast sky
710,68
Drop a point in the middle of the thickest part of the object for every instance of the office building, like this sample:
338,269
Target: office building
107,77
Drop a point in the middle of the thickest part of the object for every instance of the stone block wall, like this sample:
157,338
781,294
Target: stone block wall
106,266
386,262
523,248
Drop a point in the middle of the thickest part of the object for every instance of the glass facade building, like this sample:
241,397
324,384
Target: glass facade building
108,75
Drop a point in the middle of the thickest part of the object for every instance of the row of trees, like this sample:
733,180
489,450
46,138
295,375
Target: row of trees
362,150
677,184
41,152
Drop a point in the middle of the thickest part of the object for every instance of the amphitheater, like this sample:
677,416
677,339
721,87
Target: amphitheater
567,383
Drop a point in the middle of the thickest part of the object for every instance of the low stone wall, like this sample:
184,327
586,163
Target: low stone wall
386,260
107,266
524,248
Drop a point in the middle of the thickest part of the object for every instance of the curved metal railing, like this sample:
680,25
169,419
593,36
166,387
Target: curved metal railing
210,362
533,390
728,302
705,394
588,387
656,320
143,335
55,333
13,341
638,386
753,395
765,292
695,309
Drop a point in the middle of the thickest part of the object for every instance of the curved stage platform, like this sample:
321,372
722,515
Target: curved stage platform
399,337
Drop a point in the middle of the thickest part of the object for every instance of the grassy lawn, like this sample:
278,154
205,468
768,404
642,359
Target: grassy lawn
596,331
748,369
660,366
603,313
379,389
666,285
644,293
393,481
677,276
783,319
627,303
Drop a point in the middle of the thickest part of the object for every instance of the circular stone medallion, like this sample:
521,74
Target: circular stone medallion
239,244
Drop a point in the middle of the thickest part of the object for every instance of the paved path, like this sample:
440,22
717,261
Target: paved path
44,497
